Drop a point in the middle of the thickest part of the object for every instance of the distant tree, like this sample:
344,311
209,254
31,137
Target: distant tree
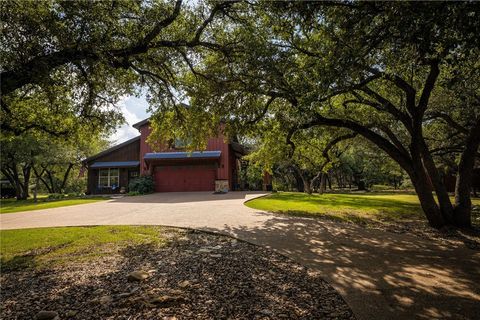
17,160
38,155
55,168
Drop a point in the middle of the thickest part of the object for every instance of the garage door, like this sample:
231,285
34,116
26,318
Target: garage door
185,178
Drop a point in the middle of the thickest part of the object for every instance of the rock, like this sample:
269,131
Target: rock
71,313
266,312
218,247
204,250
176,292
216,255
98,291
138,276
184,284
105,299
47,315
166,301
123,295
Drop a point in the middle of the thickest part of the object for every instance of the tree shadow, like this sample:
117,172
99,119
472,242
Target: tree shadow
380,274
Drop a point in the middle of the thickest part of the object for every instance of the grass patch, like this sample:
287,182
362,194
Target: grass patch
13,205
44,247
360,208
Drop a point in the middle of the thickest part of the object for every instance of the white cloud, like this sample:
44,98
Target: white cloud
134,110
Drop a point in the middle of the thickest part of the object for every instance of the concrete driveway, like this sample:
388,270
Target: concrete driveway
381,275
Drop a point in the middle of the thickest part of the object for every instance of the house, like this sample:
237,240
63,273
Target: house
173,169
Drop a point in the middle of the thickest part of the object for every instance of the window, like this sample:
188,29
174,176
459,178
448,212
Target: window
109,177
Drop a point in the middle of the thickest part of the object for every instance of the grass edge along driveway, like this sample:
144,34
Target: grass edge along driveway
45,247
13,205
351,207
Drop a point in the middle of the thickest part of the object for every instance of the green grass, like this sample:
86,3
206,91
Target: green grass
13,205
363,208
45,247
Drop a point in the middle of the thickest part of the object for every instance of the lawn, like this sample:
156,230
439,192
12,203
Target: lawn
365,207
13,205
44,247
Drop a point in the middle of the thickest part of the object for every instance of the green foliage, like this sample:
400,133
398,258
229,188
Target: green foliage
67,63
142,185
134,193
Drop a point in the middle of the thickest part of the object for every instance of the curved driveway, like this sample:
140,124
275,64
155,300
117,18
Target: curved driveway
381,275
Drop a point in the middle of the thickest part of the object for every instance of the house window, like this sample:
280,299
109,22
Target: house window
109,177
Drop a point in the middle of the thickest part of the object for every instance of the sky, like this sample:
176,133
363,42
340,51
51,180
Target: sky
134,110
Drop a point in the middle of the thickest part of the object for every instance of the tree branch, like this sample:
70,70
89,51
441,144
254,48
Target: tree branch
429,85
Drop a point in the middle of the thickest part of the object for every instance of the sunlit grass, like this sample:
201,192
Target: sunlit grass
43,247
13,205
349,207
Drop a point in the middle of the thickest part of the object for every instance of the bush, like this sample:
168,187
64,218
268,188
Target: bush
134,193
56,196
142,185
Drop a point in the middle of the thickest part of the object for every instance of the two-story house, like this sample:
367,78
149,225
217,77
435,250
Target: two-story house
173,169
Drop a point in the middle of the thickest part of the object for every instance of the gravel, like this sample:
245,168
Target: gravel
197,276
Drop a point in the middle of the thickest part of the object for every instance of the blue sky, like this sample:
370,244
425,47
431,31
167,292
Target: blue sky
134,110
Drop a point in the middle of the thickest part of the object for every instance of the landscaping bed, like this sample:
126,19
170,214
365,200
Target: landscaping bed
186,275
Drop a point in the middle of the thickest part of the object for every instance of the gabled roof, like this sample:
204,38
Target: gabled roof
118,146
141,123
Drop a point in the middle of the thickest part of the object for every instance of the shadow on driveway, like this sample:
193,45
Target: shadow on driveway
382,275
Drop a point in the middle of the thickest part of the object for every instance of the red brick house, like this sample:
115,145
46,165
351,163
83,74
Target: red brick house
173,169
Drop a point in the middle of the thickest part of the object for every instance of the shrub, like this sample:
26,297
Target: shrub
134,193
56,196
142,185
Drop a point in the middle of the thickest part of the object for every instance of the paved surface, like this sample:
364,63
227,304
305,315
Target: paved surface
381,275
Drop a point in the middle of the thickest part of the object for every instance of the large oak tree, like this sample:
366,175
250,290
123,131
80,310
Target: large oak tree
378,69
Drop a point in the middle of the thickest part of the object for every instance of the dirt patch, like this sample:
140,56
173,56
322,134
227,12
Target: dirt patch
198,276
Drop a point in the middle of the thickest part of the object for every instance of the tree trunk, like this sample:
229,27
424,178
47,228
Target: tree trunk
305,181
424,191
446,207
39,176
323,183
298,181
65,177
463,185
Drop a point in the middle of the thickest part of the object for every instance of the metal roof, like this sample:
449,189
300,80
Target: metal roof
141,123
115,164
184,155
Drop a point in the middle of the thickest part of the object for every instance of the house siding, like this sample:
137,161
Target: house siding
213,144
129,152
188,173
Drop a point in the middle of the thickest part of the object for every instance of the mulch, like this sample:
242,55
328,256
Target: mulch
197,276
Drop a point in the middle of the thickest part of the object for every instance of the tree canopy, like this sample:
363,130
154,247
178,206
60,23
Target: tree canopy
401,75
